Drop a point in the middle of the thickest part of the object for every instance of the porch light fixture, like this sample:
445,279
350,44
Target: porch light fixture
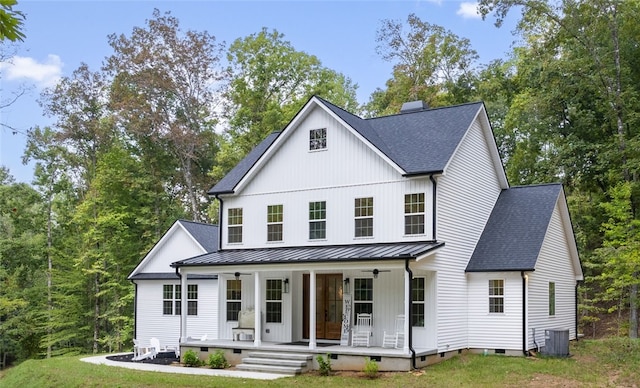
375,273
346,289
237,275
286,285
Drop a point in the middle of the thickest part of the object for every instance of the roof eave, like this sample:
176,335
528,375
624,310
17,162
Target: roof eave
477,270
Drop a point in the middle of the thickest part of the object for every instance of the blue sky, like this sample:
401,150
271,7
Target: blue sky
60,35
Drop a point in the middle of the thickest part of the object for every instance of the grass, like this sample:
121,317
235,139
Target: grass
594,363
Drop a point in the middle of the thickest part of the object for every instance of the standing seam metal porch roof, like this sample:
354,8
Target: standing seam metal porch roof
312,254
419,142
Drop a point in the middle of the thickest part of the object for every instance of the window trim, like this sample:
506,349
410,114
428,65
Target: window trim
313,212
275,219
359,293
496,295
271,300
317,143
415,210
358,210
174,300
415,302
234,221
552,299
229,300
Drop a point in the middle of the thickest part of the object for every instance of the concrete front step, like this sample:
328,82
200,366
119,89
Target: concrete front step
269,369
272,362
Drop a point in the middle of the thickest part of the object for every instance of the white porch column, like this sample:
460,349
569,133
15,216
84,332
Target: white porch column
257,341
183,307
312,309
407,312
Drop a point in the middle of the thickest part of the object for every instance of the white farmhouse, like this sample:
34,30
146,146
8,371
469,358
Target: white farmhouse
408,218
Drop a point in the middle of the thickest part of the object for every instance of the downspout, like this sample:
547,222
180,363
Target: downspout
576,304
410,302
433,218
181,328
219,223
135,309
525,351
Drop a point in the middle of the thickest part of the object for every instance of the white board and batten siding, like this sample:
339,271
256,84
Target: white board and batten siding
466,194
151,322
347,169
554,265
495,330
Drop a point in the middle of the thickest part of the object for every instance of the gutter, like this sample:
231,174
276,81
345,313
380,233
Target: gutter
576,304
525,351
410,302
135,309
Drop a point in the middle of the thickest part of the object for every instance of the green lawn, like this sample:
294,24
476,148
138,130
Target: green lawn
596,363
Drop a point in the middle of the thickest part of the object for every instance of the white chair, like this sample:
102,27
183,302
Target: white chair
395,338
141,352
362,331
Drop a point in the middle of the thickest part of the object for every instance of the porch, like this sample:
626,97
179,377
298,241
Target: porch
341,357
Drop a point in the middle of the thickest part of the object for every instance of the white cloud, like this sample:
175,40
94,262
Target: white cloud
44,74
468,10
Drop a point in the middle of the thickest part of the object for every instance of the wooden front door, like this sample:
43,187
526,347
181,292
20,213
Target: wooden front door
328,306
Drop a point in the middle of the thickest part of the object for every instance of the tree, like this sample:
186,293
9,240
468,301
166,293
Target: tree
165,96
581,76
11,21
431,64
270,82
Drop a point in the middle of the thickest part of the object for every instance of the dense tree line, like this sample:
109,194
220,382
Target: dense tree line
137,143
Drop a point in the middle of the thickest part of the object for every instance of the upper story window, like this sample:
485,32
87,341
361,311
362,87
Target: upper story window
414,213
318,139
496,296
274,222
317,220
364,217
234,298
235,225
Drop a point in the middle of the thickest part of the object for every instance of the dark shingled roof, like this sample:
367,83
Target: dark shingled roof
205,234
513,236
419,142
229,182
315,254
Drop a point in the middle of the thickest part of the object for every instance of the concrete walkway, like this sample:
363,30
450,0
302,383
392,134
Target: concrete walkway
102,360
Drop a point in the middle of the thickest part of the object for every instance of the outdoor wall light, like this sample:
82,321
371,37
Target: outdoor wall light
286,285
346,289
375,273
237,275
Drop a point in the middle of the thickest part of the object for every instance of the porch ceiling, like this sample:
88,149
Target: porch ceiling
313,254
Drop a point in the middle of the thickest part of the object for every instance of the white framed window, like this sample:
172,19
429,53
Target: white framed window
275,222
234,298
235,225
363,213
362,296
317,220
192,299
552,298
417,301
317,139
274,301
171,299
496,296
414,213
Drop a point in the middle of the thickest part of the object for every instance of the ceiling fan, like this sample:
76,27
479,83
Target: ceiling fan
236,274
376,271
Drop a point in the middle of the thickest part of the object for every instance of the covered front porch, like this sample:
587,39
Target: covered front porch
311,305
